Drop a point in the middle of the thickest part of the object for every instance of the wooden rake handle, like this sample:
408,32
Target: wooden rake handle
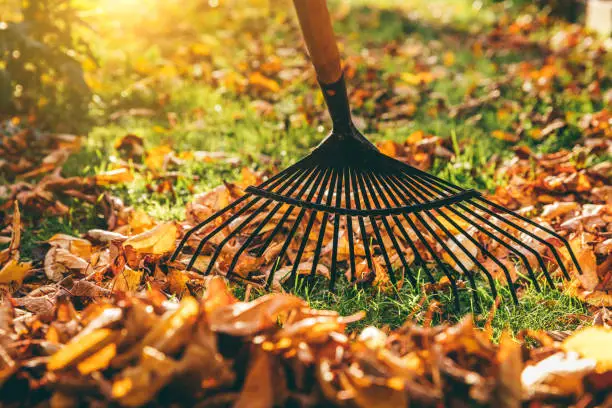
319,38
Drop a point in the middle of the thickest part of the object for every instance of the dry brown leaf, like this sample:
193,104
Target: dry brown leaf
169,334
261,385
59,261
509,392
82,248
244,319
13,249
558,209
130,146
588,263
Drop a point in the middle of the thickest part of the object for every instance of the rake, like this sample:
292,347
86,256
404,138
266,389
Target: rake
352,207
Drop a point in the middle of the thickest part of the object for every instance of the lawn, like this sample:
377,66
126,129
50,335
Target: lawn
504,89
267,129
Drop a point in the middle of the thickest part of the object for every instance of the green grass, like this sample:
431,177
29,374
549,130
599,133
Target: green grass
550,309
228,122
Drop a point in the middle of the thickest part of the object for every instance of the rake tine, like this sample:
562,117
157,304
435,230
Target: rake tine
433,253
512,238
274,181
418,192
294,229
509,236
398,249
189,233
381,244
364,237
523,230
264,222
495,238
549,231
281,254
349,223
333,271
233,233
443,184
281,222
328,201
244,223
560,264
303,244
223,225
441,242
249,239
313,215
480,246
406,236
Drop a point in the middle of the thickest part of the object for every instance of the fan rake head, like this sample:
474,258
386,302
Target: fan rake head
349,207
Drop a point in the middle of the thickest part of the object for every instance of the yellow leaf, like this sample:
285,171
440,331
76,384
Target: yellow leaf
592,343
122,175
258,81
418,78
248,178
448,58
157,156
140,221
157,241
79,348
138,385
127,280
505,136
535,134
13,271
99,360
200,49
388,147
415,137
177,281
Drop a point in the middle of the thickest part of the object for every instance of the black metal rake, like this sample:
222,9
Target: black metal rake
381,207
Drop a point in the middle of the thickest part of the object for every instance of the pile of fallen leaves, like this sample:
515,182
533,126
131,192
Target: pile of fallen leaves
276,351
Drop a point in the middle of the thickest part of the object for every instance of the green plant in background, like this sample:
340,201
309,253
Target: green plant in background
40,63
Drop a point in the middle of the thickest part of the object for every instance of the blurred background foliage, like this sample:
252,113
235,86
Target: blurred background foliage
67,64
64,63
41,55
